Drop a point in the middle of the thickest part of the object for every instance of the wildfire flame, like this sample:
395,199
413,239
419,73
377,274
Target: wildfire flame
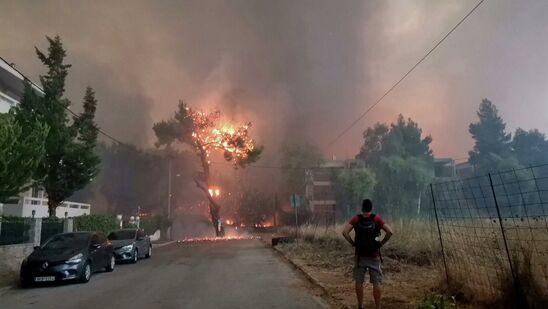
232,139
215,239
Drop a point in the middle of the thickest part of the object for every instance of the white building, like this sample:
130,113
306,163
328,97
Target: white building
32,202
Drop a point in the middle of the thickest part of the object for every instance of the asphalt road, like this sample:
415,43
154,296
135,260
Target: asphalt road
226,274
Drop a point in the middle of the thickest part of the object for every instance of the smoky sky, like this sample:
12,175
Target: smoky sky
299,70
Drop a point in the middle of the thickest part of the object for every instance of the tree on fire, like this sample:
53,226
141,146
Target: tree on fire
204,133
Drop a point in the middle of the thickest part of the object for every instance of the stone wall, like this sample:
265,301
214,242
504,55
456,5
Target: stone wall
10,261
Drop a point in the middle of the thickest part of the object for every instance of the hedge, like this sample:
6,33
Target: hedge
101,223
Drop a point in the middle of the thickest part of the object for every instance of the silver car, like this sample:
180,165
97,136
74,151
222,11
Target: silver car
130,245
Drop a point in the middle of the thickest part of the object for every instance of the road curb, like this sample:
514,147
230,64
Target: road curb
163,244
311,279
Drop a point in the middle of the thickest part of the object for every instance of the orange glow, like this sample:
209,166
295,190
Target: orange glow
232,139
215,192
214,239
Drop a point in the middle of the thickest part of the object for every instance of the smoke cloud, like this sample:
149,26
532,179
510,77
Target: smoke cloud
299,70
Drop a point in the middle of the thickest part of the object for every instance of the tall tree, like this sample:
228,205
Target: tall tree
204,133
402,138
402,161
372,147
19,154
70,162
530,147
400,184
492,149
356,184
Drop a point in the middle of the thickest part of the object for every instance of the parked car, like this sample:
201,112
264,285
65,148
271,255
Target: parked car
68,256
130,245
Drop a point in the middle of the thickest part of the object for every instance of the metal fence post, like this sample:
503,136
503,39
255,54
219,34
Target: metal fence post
439,234
504,238
1,215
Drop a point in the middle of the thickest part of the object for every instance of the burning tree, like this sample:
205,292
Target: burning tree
205,133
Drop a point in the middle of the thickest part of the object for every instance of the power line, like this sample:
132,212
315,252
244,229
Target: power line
405,75
107,135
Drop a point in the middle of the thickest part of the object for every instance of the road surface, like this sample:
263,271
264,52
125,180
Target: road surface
226,274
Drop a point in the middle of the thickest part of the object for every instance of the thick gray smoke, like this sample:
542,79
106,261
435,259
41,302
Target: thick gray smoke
300,70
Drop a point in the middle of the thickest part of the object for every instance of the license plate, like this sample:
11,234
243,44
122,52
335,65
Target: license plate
44,279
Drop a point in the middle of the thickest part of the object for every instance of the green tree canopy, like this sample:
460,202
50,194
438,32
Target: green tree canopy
492,149
400,184
20,154
70,161
530,147
402,138
356,185
402,161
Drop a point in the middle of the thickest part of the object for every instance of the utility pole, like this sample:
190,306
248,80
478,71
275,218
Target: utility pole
169,188
275,209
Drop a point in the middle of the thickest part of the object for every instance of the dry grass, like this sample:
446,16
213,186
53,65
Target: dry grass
413,241
477,260
409,262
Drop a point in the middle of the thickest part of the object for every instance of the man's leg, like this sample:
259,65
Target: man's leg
359,277
359,293
377,294
375,277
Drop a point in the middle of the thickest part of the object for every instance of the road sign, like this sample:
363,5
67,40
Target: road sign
295,200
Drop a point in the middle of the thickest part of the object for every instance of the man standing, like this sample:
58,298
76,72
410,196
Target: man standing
367,227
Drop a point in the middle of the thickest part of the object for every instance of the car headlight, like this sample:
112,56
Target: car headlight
127,248
75,259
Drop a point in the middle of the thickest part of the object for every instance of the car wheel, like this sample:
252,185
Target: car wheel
135,256
110,266
149,252
86,273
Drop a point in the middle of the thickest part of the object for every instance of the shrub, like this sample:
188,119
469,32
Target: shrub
101,223
158,222
437,301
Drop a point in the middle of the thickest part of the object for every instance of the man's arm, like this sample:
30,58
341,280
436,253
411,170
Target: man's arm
388,233
346,233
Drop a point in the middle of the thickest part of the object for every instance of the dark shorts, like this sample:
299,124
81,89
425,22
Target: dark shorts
368,264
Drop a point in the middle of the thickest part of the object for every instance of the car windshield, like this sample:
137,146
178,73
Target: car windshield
120,235
66,241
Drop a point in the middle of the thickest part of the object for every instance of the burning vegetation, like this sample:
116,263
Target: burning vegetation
206,133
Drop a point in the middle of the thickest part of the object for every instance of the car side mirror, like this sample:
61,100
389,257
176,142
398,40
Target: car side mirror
36,247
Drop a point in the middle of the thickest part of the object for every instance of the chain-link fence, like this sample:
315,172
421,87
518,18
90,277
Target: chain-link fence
493,231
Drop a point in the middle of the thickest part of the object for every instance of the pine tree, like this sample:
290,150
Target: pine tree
492,150
70,161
